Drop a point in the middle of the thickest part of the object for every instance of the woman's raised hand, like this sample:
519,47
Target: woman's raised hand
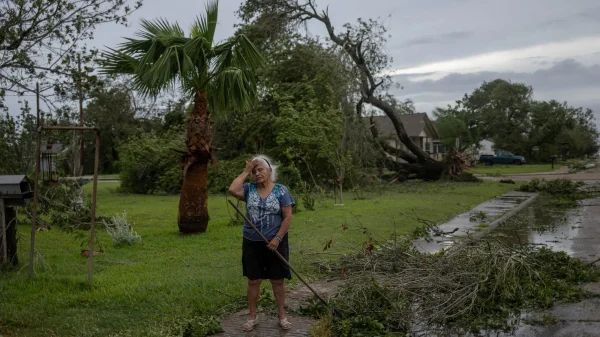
250,164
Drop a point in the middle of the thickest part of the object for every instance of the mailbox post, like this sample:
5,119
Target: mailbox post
14,191
553,158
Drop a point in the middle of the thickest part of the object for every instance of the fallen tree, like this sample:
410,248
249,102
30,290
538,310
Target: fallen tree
362,47
475,287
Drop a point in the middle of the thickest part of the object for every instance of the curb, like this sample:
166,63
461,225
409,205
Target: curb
506,216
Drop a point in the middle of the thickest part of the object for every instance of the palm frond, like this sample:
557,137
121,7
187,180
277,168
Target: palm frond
247,54
233,69
232,89
238,52
161,57
198,50
116,62
162,73
206,25
159,28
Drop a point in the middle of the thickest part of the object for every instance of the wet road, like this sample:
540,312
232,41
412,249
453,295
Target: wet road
579,236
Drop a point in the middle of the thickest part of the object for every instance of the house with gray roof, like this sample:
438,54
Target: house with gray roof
419,128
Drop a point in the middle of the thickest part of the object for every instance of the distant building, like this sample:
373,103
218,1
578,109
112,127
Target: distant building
486,146
419,128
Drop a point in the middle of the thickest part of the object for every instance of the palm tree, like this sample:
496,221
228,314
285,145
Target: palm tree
219,78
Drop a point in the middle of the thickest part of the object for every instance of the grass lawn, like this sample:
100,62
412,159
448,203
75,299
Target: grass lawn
146,289
513,169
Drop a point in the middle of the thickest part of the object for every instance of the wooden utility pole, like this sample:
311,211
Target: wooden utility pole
37,97
80,89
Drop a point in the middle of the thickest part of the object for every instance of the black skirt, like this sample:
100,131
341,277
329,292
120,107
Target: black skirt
260,263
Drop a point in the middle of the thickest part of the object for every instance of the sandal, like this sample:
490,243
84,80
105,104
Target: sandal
285,324
250,324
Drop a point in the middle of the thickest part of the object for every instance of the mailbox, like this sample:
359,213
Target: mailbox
15,189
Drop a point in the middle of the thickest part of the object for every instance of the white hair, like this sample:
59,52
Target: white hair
268,163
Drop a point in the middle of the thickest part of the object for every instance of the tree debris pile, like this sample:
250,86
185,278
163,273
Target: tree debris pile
561,193
483,285
63,205
456,162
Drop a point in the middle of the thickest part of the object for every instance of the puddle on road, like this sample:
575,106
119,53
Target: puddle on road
534,225
537,226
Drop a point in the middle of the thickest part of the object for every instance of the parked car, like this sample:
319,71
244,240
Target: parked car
501,157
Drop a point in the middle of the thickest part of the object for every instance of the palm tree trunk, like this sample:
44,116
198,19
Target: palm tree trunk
193,202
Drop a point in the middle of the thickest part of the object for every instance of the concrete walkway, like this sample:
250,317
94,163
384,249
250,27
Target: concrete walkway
268,325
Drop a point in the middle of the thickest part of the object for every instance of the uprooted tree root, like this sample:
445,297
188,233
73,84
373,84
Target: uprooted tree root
482,285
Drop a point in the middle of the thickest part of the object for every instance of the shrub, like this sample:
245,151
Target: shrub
221,175
308,200
150,163
290,176
121,232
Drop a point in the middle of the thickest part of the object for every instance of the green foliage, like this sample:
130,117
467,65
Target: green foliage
221,176
33,39
379,297
308,201
298,121
290,176
17,142
560,193
149,163
314,308
266,300
478,217
308,132
112,109
162,57
63,205
196,326
563,187
507,113
360,326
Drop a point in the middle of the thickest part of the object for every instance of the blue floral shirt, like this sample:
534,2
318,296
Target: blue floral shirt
265,213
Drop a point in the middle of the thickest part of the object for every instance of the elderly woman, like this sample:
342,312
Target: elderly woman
269,207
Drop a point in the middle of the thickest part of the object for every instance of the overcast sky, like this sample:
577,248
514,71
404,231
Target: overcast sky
443,49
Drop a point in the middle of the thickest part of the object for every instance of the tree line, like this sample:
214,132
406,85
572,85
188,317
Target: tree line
507,114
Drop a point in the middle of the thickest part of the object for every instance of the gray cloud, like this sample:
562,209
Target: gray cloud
443,38
564,74
567,80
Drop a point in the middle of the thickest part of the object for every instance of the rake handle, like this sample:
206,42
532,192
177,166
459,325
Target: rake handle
279,254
